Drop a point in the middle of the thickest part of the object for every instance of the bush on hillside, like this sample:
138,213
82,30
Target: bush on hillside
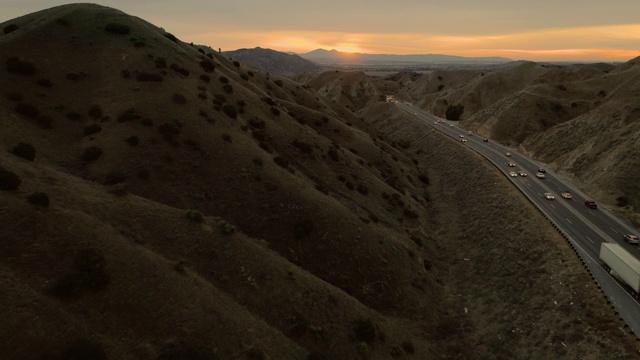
38,198
364,330
281,161
91,153
25,151
171,37
10,28
230,110
8,179
207,65
302,228
92,129
179,99
27,110
74,116
228,88
195,216
133,140
454,112
21,67
117,29
236,63
95,112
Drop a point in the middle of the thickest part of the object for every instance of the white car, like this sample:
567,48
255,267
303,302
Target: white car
469,133
522,173
513,174
461,136
416,114
631,239
451,125
512,164
540,175
549,196
463,140
508,154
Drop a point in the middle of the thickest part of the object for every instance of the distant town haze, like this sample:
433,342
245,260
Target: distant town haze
570,30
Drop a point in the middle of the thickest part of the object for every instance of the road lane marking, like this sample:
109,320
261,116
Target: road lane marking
590,240
552,206
569,221
614,230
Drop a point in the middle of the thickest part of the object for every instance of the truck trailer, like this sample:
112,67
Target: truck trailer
626,266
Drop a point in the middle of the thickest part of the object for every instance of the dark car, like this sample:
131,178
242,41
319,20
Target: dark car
542,170
591,204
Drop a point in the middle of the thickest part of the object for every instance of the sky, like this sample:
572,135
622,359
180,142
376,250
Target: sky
536,30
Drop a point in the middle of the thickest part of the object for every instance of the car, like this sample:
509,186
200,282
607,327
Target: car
542,170
631,239
469,133
549,196
435,123
512,164
513,174
451,125
540,175
460,136
485,140
416,114
591,204
567,195
522,173
508,154
463,140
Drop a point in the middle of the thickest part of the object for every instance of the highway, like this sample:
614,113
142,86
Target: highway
583,227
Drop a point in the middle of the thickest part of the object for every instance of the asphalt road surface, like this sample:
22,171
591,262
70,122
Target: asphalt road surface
585,228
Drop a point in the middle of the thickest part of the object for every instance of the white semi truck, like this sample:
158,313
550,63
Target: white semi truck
625,265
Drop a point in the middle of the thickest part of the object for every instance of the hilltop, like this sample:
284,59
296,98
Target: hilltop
162,201
274,62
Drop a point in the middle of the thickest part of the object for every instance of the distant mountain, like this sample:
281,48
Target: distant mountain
322,56
272,61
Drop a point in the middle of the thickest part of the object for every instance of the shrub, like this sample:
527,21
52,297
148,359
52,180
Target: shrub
74,116
161,63
227,137
88,274
169,130
145,76
278,82
454,112
363,189
225,227
8,180
223,79
95,112
230,110
404,143
281,161
302,228
92,129
45,83
171,37
125,73
206,78
91,153
117,29
236,63
179,69
44,121
10,28
407,346
146,122
25,151
207,65
179,99
622,201
20,67
602,93
250,73
303,146
275,111
27,110
244,76
364,330
333,154
128,115
133,140
257,161
38,198
258,135
195,215
228,88
14,96
424,179
84,349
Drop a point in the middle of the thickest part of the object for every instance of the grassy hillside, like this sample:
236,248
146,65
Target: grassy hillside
160,201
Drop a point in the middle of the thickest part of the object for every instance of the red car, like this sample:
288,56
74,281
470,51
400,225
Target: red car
591,204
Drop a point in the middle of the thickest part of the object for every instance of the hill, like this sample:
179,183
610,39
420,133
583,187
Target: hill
274,62
161,201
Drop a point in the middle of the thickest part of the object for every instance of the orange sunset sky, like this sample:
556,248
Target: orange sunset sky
543,30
